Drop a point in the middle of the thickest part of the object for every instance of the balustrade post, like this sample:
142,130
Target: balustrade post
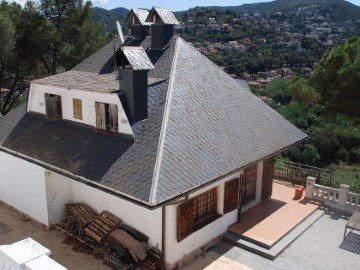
310,183
343,194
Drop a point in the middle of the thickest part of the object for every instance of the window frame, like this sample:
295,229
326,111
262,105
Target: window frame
77,109
231,195
197,212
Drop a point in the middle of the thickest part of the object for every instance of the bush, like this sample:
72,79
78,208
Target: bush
310,155
354,155
342,154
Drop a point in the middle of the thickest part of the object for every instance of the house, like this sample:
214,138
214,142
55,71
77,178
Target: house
150,130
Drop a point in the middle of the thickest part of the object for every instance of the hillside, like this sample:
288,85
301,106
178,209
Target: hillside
107,18
336,8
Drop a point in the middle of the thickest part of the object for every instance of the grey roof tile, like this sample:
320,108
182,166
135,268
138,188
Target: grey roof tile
100,62
137,58
140,15
215,126
165,15
81,80
63,144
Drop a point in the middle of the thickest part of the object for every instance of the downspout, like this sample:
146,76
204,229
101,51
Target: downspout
163,226
163,231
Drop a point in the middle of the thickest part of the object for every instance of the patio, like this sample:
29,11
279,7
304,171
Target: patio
320,247
272,219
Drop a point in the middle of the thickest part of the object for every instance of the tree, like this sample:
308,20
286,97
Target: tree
337,78
7,37
73,34
310,155
278,90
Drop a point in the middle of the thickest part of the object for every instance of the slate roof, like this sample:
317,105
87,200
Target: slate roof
100,62
63,144
81,80
164,14
214,126
137,58
141,15
201,124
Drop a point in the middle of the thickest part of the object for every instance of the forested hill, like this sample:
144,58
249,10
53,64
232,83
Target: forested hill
107,18
339,9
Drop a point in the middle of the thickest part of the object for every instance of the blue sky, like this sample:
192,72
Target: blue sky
174,5
177,5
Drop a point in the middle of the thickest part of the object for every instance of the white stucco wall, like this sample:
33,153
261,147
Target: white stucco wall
58,192
174,250
22,185
36,103
63,190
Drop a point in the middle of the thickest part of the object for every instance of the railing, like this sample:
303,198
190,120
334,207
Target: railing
325,193
340,199
297,173
353,199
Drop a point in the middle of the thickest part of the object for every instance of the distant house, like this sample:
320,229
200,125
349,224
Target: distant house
212,20
150,130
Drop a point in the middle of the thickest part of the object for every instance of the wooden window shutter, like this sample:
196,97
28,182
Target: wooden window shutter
185,219
231,195
267,181
100,115
113,118
53,107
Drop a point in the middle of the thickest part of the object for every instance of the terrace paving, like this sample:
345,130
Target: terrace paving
272,219
321,246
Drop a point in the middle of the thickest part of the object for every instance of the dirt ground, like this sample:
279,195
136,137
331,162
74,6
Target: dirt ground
14,226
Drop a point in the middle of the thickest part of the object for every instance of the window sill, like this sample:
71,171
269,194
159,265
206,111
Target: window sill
202,224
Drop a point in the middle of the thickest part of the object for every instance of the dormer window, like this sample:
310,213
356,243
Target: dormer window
53,107
107,116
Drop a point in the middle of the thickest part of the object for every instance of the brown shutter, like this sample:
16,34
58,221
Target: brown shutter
53,107
100,115
267,181
231,195
113,117
185,219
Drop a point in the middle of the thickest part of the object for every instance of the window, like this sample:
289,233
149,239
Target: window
196,213
77,107
53,107
248,184
231,195
106,116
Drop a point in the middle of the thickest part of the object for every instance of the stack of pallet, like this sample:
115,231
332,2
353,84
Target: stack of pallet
100,228
76,217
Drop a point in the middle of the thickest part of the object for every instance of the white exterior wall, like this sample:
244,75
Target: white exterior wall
58,193
174,250
22,185
63,190
36,103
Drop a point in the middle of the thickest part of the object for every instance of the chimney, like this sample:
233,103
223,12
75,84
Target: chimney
137,24
162,27
133,67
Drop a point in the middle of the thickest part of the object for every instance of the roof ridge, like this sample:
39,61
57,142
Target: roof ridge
154,186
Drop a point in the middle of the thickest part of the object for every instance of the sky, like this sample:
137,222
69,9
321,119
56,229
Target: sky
174,5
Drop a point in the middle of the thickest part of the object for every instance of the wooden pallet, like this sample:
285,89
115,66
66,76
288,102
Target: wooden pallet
83,213
100,228
150,264
76,217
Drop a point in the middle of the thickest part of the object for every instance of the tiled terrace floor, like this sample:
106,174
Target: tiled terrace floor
272,219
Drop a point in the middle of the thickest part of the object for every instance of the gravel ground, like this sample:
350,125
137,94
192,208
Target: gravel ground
14,226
